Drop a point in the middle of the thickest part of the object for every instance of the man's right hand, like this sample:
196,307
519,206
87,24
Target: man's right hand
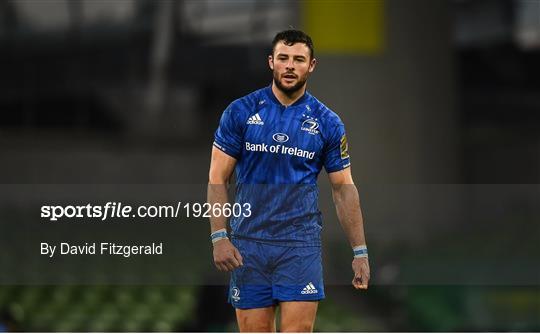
226,256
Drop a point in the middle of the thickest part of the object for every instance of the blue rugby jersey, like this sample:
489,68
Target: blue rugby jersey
280,152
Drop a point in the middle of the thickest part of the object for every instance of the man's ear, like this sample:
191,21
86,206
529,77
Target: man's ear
271,62
312,64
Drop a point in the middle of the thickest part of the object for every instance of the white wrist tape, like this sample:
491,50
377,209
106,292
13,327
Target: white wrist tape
219,235
360,251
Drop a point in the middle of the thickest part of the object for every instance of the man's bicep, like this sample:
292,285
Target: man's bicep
221,166
341,177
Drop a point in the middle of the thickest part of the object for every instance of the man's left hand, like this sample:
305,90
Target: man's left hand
360,267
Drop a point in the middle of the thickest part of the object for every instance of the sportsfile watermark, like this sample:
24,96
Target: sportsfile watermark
417,234
112,210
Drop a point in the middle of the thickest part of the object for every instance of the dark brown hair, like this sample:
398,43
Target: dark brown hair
291,37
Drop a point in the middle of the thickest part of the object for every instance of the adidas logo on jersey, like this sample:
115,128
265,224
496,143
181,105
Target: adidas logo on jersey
255,120
309,289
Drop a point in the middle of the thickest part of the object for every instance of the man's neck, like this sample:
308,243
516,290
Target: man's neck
286,99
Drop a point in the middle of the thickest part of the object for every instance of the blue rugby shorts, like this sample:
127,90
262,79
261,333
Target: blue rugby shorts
273,273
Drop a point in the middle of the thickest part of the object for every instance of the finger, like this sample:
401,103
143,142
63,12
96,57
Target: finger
365,276
219,266
233,262
228,266
222,265
238,257
356,282
365,282
361,282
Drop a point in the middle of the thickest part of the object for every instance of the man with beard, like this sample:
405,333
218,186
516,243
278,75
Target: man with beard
278,139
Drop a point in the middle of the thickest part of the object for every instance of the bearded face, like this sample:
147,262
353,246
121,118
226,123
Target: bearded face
289,82
291,66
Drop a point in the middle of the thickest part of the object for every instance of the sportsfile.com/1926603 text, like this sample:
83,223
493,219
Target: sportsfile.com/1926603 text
119,210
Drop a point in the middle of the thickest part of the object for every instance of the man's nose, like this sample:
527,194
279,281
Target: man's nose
290,64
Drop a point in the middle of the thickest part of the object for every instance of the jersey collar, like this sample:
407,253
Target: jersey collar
303,99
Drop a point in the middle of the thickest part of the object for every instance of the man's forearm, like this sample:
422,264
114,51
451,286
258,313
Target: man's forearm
217,193
349,213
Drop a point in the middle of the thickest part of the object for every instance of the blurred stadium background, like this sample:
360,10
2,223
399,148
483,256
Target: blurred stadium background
433,93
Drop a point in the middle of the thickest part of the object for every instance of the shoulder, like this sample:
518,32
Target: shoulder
326,115
247,103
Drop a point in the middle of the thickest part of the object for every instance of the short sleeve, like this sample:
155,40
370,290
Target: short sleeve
228,136
336,154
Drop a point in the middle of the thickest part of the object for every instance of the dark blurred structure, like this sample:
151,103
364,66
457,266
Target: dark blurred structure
130,91
498,45
7,322
97,308
127,67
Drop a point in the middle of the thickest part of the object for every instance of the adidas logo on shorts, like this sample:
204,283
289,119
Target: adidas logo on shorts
255,120
309,289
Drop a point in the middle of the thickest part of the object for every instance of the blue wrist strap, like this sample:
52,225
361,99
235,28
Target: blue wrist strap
218,235
360,251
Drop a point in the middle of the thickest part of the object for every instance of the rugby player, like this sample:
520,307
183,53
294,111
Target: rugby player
277,139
